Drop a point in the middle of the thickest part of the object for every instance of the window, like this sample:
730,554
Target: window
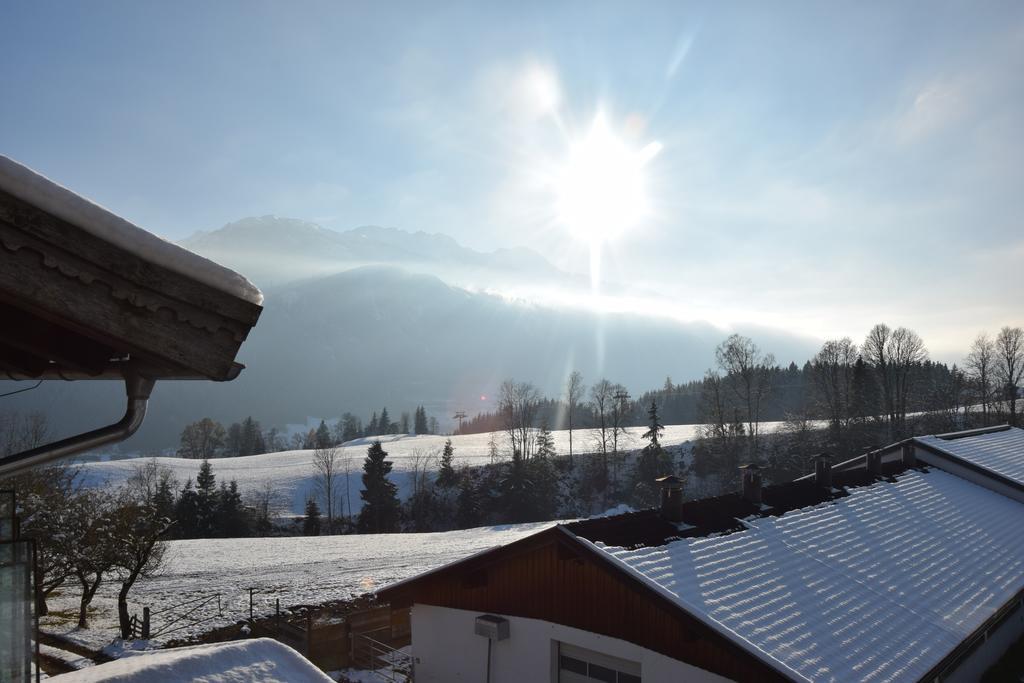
579,665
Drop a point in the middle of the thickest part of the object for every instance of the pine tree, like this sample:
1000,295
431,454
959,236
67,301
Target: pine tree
653,462
372,428
446,476
231,520
655,430
206,500
311,522
163,499
384,425
186,511
420,421
545,445
323,436
467,506
381,508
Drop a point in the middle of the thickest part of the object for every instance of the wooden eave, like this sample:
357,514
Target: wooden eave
76,306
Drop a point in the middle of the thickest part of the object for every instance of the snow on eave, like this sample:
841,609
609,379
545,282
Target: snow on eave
690,610
41,192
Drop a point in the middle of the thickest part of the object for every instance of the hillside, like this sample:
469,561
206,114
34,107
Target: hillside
381,336
292,473
296,570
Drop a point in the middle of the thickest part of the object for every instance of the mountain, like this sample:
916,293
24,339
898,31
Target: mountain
271,251
379,336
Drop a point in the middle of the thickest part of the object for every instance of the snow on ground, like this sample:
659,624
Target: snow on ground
298,570
261,659
292,472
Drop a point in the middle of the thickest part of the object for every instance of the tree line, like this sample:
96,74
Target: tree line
206,438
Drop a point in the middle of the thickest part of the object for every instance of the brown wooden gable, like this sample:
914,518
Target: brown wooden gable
555,577
72,302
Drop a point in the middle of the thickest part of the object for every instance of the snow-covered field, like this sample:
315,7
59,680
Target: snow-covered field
292,474
298,570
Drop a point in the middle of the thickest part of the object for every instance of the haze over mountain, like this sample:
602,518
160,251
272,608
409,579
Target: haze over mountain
271,250
337,335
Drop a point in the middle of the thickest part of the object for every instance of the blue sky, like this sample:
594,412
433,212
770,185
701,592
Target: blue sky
823,166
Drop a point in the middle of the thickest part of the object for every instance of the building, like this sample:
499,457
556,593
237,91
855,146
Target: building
86,295
904,564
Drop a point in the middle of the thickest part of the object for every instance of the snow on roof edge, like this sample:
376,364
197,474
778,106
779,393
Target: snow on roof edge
38,190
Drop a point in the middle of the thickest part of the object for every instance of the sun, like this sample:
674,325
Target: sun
601,189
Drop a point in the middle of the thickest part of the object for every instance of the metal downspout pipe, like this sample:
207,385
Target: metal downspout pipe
137,388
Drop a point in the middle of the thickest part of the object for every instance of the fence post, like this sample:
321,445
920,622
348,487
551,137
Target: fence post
145,623
309,632
277,616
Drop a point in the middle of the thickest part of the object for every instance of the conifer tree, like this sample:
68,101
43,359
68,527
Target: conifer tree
163,499
323,436
311,522
653,462
206,500
384,426
545,445
372,428
231,520
655,428
420,421
186,511
467,506
381,508
446,475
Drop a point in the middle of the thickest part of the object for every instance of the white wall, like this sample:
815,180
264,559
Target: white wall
446,649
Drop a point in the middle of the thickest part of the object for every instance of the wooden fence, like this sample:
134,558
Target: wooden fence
336,644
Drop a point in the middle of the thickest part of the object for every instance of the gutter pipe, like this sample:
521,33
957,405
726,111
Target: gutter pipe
137,388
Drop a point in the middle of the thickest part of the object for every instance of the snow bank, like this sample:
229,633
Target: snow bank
244,661
31,187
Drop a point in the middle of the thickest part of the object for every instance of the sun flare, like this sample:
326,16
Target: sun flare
601,188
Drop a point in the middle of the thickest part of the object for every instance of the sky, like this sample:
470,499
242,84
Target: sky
811,167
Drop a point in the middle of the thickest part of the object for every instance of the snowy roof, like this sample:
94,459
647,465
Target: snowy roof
1001,452
881,584
29,186
260,659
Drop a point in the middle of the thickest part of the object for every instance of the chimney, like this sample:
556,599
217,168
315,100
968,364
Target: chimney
909,454
874,462
823,470
671,497
751,477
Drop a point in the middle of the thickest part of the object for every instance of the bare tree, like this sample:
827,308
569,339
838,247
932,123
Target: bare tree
747,375
202,440
92,551
980,365
45,499
906,350
876,352
833,368
146,478
1010,365
137,530
894,353
574,390
21,432
517,403
327,465
267,503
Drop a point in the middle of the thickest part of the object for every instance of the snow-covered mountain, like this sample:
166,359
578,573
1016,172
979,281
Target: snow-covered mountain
271,250
381,336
